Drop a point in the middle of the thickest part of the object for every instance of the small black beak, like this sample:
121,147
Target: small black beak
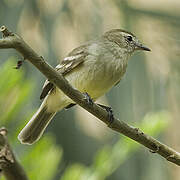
145,48
141,47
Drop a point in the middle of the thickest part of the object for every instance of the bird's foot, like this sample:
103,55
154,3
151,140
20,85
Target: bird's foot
110,113
88,98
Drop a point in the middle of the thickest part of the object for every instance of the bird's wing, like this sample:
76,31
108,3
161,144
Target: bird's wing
74,58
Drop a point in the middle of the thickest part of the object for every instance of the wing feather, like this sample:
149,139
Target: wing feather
73,60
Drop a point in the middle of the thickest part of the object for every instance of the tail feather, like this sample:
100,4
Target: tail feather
36,126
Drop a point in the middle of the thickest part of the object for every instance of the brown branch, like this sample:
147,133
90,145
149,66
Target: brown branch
14,41
9,166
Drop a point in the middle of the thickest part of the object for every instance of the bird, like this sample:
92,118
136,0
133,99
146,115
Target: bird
92,68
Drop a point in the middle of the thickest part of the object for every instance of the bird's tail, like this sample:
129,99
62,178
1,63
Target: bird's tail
36,126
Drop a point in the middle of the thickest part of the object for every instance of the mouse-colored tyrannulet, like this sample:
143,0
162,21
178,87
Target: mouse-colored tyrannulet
92,68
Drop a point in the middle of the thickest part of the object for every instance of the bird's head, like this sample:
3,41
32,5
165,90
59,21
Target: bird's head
125,40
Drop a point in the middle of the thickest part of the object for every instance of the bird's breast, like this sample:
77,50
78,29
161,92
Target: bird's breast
96,77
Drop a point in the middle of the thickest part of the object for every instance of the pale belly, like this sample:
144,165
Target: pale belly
94,79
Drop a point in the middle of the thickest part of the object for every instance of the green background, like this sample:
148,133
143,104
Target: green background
76,145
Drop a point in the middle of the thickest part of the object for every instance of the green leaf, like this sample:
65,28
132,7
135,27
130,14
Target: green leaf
41,160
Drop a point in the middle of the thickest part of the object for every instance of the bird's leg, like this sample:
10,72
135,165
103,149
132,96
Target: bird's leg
88,98
70,106
110,113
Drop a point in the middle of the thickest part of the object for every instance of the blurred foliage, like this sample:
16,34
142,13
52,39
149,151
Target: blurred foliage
41,161
15,93
151,84
109,158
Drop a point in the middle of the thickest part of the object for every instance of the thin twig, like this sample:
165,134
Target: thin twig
9,166
16,42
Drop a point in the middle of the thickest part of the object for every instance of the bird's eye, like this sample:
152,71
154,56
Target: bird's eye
129,38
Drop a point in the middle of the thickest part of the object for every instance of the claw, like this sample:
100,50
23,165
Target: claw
110,113
88,98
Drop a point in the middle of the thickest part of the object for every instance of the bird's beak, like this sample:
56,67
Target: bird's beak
142,47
